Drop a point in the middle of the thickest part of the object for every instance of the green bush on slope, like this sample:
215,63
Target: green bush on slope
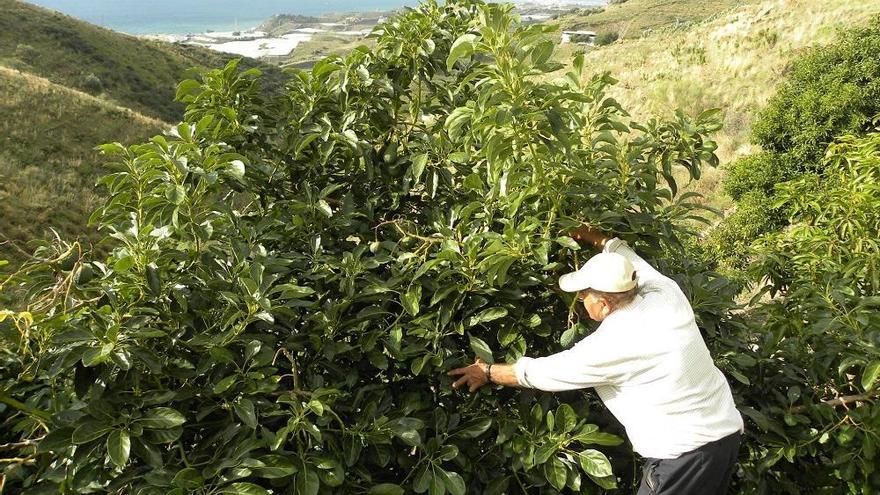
814,400
828,92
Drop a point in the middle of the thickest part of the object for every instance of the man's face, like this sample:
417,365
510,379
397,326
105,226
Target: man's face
596,307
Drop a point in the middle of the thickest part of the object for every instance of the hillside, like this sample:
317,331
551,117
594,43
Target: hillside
47,162
634,18
133,72
733,61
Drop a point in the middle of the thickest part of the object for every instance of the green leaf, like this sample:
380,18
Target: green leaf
386,489
418,166
188,479
97,355
407,429
566,418
461,47
244,409
481,349
161,418
595,463
224,384
556,473
568,242
88,431
454,483
411,299
243,489
476,428
871,375
487,315
118,446
175,194
324,208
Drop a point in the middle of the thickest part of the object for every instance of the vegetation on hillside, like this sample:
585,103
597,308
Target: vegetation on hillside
830,91
734,61
635,18
48,165
68,86
132,72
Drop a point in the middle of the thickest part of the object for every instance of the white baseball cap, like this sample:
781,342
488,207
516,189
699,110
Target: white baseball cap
606,272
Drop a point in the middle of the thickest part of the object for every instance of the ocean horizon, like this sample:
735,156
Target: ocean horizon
180,17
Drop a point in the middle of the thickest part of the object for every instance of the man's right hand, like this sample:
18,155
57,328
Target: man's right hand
587,233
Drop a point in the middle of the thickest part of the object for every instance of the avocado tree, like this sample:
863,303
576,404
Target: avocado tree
816,376
290,277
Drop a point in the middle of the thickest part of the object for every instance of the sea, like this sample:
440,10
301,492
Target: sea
198,16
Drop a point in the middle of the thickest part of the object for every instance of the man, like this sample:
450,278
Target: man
648,364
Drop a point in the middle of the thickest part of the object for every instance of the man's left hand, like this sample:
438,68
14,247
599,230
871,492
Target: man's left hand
474,376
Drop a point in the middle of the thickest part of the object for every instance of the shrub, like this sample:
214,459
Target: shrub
755,215
92,84
607,38
289,279
815,400
829,91
758,173
26,53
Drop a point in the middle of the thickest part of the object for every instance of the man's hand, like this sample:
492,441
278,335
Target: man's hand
474,376
586,233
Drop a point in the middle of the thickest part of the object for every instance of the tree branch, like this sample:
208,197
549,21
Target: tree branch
9,401
841,401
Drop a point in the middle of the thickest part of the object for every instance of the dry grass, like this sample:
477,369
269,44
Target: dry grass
635,18
733,61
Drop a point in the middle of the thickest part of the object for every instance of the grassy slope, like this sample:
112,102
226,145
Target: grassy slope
733,61
633,18
135,73
50,125
47,162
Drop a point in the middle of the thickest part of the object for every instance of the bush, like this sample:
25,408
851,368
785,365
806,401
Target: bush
26,53
290,278
92,84
731,240
815,400
607,38
829,91
758,173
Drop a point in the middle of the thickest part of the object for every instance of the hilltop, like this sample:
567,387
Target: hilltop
634,18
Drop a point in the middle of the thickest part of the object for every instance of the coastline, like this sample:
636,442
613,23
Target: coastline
280,35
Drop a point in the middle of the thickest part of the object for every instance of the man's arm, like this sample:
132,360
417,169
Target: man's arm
479,374
593,361
608,243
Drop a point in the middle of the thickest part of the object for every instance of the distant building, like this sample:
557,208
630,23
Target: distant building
579,37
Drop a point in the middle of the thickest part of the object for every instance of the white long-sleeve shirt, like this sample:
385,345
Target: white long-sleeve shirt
651,368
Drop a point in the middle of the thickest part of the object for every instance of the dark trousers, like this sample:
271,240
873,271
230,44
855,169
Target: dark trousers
704,471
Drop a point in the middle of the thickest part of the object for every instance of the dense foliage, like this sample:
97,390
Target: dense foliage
829,91
290,278
817,344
